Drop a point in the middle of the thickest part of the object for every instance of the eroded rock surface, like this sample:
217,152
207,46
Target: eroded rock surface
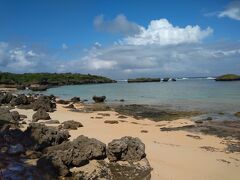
41,114
99,99
40,136
44,102
71,124
126,149
76,153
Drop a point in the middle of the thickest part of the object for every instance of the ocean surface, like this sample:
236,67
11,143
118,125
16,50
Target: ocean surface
203,94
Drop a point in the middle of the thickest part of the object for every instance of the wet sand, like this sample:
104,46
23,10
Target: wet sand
173,155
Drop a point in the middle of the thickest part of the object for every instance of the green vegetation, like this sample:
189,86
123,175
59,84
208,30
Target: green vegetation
228,77
51,79
144,80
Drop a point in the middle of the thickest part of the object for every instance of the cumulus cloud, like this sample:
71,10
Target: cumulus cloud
231,11
124,61
120,24
159,50
20,58
162,32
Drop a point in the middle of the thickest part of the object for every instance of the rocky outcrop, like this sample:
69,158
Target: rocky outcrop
166,79
9,117
75,99
38,136
44,102
126,149
155,113
20,100
99,99
56,155
15,115
52,122
111,122
41,114
61,101
115,171
5,98
73,125
38,87
76,153
140,80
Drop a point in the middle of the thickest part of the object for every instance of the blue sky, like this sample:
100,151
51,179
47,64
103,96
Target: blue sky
121,39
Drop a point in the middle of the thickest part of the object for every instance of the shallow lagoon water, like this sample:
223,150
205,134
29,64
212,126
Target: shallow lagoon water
202,94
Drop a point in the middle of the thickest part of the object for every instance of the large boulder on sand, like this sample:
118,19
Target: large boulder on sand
76,153
114,170
10,117
99,99
40,114
38,136
44,102
71,125
60,158
15,115
5,98
20,100
61,101
75,99
126,149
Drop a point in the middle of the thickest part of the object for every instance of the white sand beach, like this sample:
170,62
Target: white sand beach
172,155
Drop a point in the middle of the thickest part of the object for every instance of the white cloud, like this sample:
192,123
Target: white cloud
231,11
162,32
123,61
101,64
19,58
97,45
120,24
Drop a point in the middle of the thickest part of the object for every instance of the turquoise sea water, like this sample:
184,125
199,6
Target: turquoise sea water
197,94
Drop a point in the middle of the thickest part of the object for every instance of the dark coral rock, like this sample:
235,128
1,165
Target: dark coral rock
126,149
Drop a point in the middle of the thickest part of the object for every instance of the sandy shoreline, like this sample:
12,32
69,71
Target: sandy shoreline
172,155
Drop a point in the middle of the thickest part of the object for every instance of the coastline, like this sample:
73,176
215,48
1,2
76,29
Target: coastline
172,154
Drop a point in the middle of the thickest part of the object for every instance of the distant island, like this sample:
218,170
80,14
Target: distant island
228,77
140,80
144,80
42,81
